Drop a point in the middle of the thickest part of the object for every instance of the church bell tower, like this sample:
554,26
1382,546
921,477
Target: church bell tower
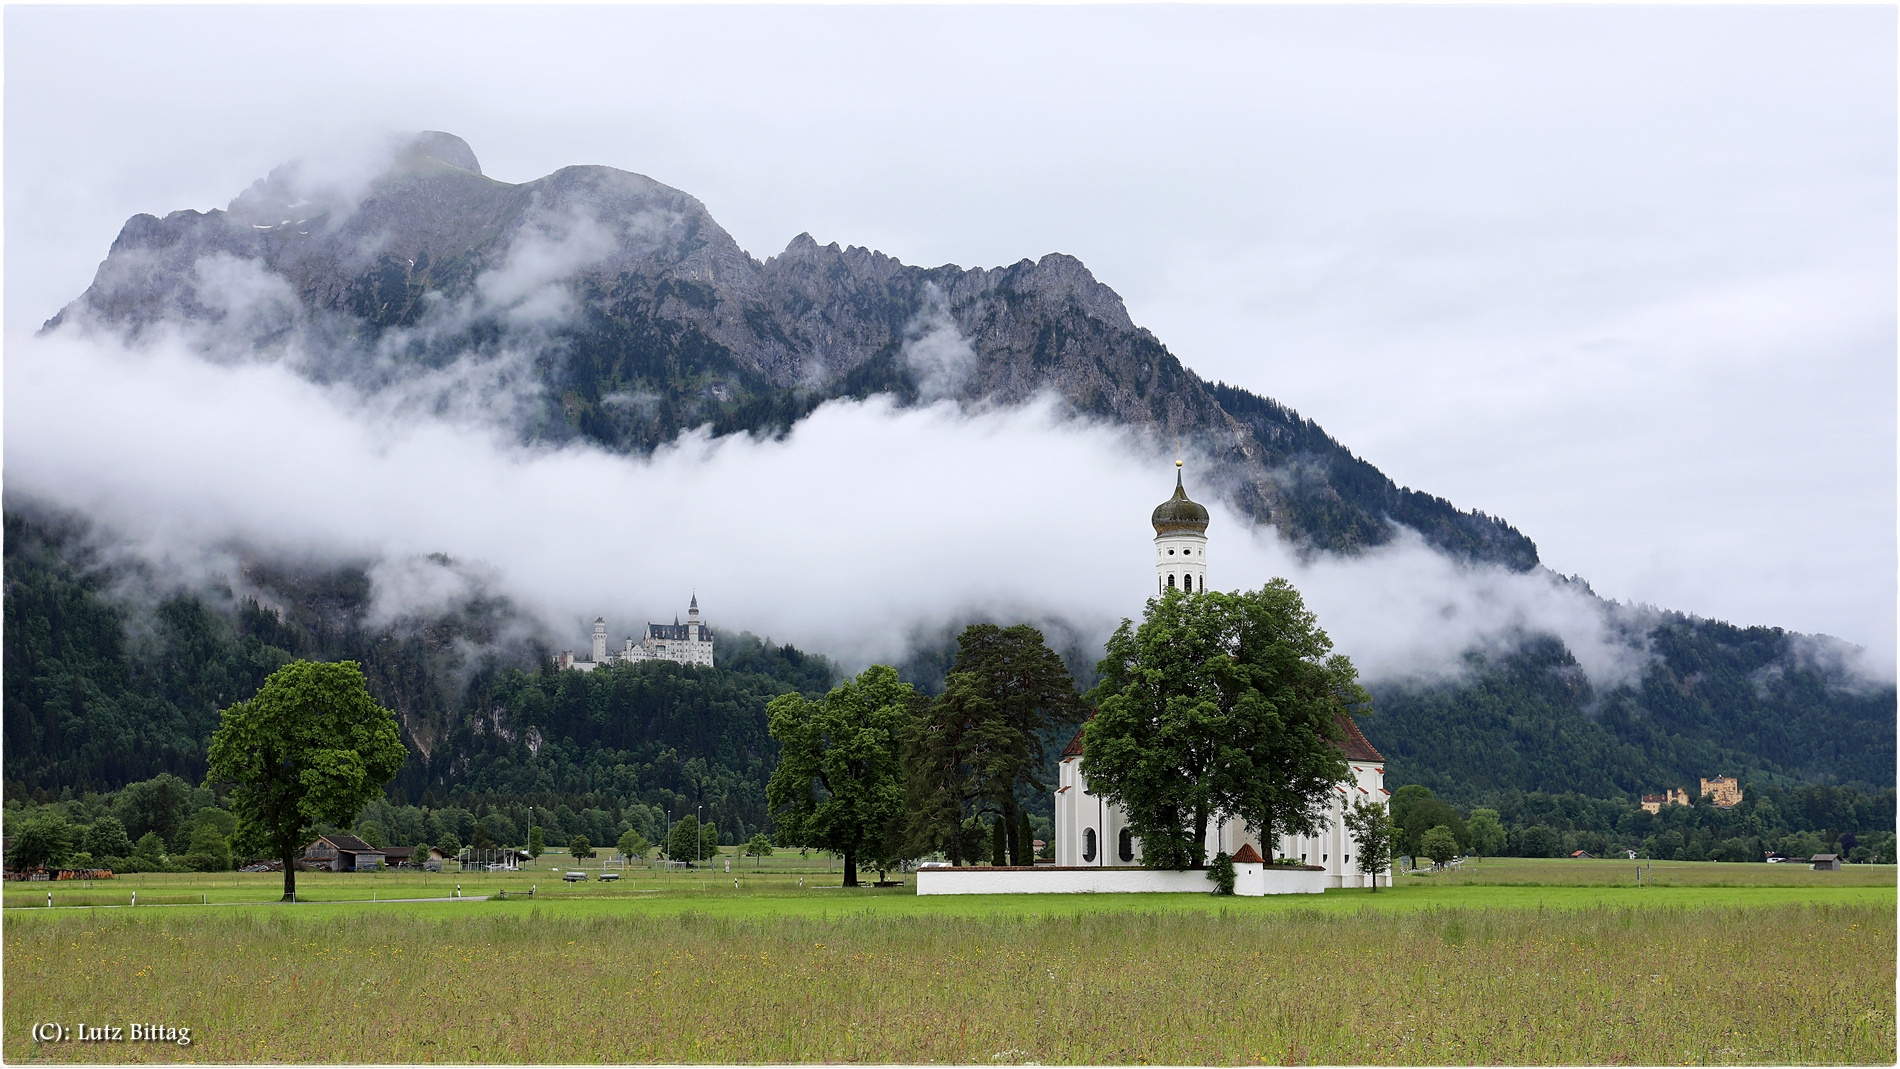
1180,542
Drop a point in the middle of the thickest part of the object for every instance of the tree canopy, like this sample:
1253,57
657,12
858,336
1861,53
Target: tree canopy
839,784
311,748
1219,705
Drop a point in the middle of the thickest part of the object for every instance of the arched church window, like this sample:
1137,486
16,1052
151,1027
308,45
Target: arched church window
1088,844
1127,852
1170,582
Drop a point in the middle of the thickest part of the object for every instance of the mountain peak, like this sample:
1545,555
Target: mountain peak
445,148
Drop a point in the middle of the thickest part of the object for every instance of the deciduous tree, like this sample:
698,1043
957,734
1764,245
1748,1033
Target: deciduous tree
1439,844
684,842
1487,833
633,844
43,841
107,838
1220,704
208,852
311,747
759,845
839,783
1371,828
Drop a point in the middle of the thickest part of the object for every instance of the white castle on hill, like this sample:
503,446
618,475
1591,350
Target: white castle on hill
686,643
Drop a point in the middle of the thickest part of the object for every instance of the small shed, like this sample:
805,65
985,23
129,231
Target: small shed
1825,862
398,855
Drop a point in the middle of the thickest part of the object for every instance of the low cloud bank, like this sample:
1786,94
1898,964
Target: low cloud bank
865,524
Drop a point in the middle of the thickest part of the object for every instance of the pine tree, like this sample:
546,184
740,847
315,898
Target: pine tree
998,843
1025,840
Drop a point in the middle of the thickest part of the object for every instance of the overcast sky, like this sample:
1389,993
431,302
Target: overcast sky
1623,276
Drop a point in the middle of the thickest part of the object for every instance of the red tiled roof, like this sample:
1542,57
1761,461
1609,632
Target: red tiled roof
1356,746
1074,748
1247,855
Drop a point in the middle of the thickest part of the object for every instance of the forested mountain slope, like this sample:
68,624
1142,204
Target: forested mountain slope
1717,700
100,692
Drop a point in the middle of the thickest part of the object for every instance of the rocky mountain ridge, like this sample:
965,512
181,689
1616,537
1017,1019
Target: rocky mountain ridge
641,317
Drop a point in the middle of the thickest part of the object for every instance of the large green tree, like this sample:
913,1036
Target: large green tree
46,840
1220,705
312,747
839,784
980,747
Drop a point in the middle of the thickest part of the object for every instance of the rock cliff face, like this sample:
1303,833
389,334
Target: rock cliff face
607,306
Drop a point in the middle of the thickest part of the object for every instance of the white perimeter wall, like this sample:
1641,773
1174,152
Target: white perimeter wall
1053,880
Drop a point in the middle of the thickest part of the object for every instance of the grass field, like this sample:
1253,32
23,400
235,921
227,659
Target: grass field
1517,962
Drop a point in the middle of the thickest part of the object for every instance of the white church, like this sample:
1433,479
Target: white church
684,643
1090,831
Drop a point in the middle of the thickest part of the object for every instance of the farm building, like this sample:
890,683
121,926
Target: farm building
343,853
1825,862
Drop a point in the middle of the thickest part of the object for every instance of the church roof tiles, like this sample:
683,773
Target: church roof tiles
1356,746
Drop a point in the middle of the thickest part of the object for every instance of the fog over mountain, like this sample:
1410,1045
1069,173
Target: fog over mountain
583,393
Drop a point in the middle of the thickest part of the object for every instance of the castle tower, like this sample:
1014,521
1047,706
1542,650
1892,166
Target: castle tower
1180,542
692,619
600,640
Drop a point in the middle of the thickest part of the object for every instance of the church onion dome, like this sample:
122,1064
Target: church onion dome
1177,514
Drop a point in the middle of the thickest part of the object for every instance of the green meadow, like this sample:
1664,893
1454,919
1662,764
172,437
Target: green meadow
1510,961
